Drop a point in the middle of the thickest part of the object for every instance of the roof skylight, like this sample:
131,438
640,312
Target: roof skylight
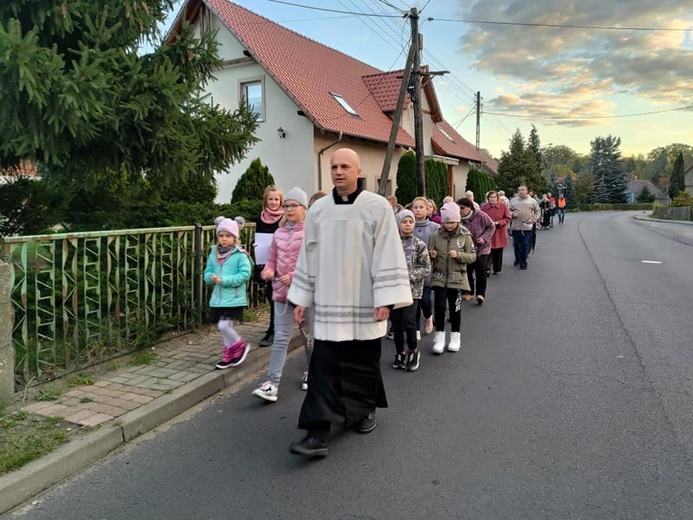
346,106
446,134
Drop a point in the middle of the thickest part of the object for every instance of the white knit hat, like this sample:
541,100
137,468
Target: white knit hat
298,195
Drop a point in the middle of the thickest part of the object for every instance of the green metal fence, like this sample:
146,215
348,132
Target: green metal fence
82,298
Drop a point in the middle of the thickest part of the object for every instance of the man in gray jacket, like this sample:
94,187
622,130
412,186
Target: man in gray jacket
525,212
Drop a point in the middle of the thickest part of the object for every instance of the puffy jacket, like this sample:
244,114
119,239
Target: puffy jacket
480,225
234,273
283,256
424,230
418,263
447,271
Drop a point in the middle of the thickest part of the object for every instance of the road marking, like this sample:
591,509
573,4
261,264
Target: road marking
650,262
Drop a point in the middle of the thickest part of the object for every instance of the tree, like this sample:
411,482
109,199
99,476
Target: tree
30,206
570,196
677,184
78,98
252,184
518,166
584,186
534,146
607,168
406,179
436,180
645,195
662,159
480,183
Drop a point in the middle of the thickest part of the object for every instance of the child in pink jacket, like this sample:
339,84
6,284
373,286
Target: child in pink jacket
280,268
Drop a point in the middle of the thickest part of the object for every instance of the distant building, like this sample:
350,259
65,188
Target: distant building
688,179
635,187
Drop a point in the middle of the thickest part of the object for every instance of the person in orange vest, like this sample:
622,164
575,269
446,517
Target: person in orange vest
561,204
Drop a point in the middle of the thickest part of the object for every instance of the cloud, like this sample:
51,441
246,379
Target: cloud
570,71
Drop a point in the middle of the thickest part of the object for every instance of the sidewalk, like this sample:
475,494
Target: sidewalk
124,403
646,218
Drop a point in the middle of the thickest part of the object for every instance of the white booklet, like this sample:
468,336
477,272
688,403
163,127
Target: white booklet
263,241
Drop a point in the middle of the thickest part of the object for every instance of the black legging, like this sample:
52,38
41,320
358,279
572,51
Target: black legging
478,268
453,299
496,259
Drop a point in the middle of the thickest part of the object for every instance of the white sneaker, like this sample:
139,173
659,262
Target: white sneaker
455,341
418,335
428,327
267,391
439,342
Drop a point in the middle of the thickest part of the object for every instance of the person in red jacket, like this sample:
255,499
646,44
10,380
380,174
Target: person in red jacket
500,215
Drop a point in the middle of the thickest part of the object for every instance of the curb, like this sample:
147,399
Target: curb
643,218
19,486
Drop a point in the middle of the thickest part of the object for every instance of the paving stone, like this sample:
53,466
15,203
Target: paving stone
106,409
185,376
143,399
80,416
71,401
35,407
130,405
144,391
120,379
179,365
102,383
76,392
163,372
136,381
52,411
96,419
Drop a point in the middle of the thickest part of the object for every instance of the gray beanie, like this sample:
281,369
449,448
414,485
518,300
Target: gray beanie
402,215
298,195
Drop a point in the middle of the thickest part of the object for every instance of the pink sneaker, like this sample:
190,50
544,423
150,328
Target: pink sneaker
240,351
226,360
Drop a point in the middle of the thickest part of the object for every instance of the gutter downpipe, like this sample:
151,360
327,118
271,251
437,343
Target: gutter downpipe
339,140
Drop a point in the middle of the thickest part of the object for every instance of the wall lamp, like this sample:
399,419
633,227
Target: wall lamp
281,133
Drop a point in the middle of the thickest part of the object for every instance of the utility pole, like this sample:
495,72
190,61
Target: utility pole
406,74
478,120
418,115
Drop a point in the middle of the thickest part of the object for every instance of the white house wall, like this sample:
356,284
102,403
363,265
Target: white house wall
290,160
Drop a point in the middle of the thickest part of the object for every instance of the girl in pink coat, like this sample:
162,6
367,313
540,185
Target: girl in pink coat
500,214
280,268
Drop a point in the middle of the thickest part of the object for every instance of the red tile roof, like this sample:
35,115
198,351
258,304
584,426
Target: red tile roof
446,141
385,89
310,72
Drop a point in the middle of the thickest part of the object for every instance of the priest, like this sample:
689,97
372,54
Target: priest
351,269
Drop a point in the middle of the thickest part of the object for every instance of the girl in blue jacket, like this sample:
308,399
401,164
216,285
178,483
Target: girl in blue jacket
228,269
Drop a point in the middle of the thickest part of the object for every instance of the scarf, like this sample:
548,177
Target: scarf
223,253
270,217
468,217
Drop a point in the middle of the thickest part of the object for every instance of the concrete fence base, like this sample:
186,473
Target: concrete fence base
6,347
674,213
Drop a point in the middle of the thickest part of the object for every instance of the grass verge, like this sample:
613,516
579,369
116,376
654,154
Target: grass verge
25,437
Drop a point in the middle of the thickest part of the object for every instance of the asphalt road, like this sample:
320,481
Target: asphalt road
570,399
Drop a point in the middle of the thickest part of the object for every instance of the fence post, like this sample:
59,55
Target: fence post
197,278
6,346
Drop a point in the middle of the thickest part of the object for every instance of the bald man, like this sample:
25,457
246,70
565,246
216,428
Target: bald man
352,270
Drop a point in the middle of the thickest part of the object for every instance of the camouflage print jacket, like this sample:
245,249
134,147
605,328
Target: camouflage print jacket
418,263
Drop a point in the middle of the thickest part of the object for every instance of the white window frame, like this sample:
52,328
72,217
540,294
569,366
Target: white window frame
243,84
345,105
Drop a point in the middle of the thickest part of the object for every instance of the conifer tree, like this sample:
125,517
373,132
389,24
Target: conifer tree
251,185
677,184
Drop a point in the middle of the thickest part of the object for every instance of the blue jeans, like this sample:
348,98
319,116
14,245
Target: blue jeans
522,242
561,215
283,330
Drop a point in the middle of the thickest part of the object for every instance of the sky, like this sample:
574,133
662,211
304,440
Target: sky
573,84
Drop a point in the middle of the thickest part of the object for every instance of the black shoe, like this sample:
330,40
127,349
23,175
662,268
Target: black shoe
309,447
496,272
267,340
516,263
367,424
488,273
400,361
413,358
390,335
523,267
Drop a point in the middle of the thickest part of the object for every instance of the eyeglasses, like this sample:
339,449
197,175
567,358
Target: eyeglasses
291,206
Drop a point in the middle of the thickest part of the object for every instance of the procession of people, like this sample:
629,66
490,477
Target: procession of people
345,264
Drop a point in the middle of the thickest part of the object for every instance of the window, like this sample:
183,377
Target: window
446,134
346,106
252,93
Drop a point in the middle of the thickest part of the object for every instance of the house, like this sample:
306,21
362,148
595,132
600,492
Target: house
310,98
635,187
688,179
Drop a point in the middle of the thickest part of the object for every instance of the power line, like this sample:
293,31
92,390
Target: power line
424,7
367,23
564,118
563,26
333,10
390,5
